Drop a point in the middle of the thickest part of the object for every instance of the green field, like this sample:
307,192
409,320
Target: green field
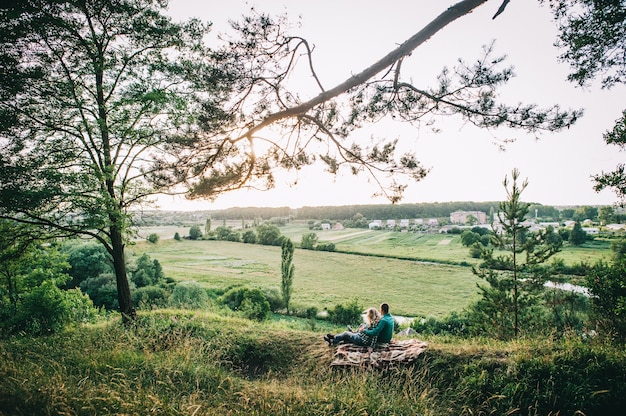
431,284
322,279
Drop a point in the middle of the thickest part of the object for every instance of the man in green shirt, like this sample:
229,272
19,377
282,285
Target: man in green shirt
382,333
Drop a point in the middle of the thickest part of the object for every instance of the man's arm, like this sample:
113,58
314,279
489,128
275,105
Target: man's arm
377,329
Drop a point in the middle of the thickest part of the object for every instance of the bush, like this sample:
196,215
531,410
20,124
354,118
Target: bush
250,303
249,237
453,324
189,295
308,313
325,247
349,314
48,308
149,296
153,238
102,290
476,250
195,233
275,299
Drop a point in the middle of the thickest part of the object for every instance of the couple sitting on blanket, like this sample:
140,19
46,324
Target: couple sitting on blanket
378,330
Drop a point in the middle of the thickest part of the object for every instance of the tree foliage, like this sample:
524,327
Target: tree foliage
31,282
101,102
593,39
106,103
287,269
515,277
607,284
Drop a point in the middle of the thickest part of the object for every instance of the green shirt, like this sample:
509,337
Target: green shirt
382,332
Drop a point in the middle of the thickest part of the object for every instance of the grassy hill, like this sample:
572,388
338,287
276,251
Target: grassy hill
203,363
210,362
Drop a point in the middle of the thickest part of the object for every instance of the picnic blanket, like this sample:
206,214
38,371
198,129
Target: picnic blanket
383,356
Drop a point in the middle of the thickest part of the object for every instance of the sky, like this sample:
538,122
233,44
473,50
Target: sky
466,163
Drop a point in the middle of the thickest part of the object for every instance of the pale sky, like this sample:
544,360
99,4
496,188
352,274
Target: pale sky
465,163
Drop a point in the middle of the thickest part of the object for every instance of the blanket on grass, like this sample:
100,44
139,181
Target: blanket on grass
383,356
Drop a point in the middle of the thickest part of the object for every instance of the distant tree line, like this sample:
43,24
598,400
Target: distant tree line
363,214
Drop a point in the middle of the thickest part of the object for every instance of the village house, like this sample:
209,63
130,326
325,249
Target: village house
460,217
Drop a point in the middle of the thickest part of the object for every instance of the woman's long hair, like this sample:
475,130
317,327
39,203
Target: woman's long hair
373,317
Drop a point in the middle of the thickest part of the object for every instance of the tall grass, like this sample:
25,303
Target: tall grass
192,363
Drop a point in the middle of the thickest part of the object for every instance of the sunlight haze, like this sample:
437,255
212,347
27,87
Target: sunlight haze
467,163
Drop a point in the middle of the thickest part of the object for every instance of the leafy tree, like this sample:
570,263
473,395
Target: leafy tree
309,241
287,271
607,284
189,295
249,237
471,220
593,37
567,213
514,278
100,102
102,289
577,236
105,103
586,213
606,215
87,259
346,314
251,303
147,272
268,235
379,91
195,233
31,277
468,238
227,234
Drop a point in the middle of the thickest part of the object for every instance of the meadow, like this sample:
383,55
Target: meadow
419,274
322,279
214,362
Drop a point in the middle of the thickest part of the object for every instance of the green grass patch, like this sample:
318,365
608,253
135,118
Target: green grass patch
322,279
180,363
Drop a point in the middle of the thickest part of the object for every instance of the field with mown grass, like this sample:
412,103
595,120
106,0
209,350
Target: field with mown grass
417,274
173,362
322,279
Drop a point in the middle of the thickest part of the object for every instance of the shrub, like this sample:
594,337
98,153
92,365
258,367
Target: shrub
153,238
249,237
476,250
308,313
348,314
102,290
275,299
251,303
48,308
149,296
195,233
453,324
325,247
189,295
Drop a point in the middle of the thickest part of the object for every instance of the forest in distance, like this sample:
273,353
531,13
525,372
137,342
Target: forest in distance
373,211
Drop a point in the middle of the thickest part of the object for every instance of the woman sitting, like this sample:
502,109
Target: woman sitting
372,317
